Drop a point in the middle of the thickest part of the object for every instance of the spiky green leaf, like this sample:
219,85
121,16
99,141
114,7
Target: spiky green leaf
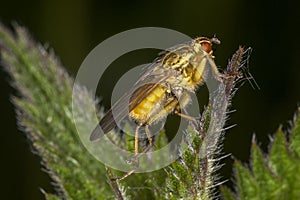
44,108
274,175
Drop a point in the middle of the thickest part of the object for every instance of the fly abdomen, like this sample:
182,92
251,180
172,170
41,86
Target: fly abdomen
148,105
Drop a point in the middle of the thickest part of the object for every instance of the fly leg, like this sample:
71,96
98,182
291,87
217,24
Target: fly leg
190,118
149,146
230,76
183,101
150,139
219,75
134,158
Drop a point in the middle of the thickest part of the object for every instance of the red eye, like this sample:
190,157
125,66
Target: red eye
206,46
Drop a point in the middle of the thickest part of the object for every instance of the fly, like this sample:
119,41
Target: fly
164,88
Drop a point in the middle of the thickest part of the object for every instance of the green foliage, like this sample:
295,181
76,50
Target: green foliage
271,176
191,176
44,112
295,138
227,194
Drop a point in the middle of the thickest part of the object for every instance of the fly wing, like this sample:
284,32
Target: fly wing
153,77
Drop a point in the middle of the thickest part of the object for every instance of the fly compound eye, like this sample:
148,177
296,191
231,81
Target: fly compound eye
206,46
207,43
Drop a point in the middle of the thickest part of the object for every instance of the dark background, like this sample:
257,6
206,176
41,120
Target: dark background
73,28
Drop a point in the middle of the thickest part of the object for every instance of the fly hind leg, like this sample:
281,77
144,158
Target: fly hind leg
134,158
137,155
147,148
150,139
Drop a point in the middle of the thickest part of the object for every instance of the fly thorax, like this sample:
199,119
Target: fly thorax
171,59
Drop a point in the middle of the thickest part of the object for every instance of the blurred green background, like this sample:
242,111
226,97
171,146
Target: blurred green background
74,28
